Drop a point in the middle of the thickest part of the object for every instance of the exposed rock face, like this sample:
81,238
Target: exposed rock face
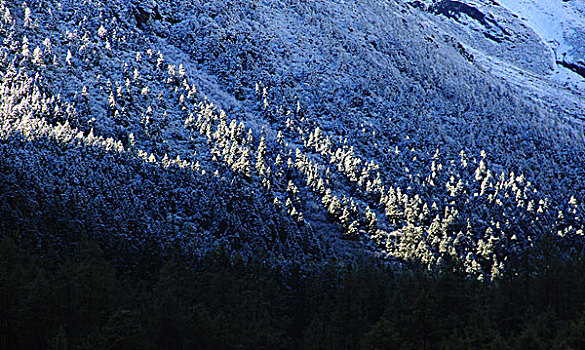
577,67
145,11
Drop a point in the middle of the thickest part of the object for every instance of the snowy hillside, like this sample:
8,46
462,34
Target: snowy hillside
559,25
302,130
535,45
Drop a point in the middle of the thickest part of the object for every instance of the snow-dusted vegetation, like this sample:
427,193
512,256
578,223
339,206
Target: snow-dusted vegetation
297,129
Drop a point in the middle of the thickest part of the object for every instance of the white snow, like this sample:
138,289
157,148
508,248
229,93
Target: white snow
554,22
539,87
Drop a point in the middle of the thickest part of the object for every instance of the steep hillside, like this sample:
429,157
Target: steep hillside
297,129
534,45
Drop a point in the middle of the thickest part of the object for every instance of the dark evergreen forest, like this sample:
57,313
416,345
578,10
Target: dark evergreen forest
223,302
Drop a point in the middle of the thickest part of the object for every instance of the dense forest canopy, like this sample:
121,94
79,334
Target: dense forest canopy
303,139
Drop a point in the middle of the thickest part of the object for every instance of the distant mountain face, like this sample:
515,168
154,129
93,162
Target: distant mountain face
535,45
436,132
560,27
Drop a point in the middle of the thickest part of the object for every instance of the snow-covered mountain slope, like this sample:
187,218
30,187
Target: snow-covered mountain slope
561,27
299,129
559,24
536,45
